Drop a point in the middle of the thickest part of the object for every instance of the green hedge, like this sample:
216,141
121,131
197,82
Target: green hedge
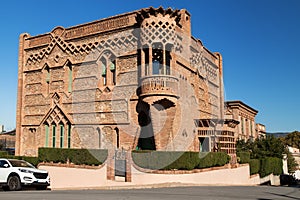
254,166
187,161
213,159
76,156
244,157
167,160
270,165
33,160
164,159
3,154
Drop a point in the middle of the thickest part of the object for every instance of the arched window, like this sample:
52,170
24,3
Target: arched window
146,60
157,59
99,137
69,135
70,77
46,135
113,72
168,59
118,137
103,68
47,79
62,132
159,56
53,135
108,69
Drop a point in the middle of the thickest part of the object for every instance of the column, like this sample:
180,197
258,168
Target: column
150,61
164,60
143,70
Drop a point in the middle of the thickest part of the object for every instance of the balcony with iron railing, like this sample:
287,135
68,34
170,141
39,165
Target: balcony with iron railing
159,85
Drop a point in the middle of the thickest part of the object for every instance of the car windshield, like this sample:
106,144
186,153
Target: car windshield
20,163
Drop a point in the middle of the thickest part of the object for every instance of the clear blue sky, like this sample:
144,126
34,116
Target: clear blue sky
259,41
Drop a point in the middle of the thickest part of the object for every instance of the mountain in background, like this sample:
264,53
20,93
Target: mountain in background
279,134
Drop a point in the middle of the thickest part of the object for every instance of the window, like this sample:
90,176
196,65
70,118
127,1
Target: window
108,69
146,54
242,125
47,135
156,67
53,135
47,74
69,135
61,136
47,78
168,58
118,137
2,163
113,72
160,58
70,78
157,59
103,67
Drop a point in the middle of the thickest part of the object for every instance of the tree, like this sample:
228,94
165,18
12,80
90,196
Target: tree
292,139
262,147
291,162
269,146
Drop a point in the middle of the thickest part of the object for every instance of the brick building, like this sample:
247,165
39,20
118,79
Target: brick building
245,115
138,80
260,130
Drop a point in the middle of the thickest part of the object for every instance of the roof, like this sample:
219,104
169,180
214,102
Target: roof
238,103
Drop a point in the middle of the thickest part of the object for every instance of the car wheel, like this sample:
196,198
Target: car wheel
14,183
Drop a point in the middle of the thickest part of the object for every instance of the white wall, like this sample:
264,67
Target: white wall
235,176
67,178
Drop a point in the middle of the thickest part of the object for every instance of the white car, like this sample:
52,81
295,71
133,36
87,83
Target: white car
17,173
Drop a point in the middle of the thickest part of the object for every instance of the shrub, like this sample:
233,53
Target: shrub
270,165
244,157
213,159
165,159
33,160
3,154
142,158
254,166
76,156
185,161
168,160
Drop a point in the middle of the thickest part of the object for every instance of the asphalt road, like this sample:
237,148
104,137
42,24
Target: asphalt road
186,193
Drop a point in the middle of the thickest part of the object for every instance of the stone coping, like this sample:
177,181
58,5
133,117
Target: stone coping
71,165
227,166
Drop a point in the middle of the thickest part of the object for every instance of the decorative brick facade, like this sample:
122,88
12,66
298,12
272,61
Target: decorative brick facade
245,115
134,81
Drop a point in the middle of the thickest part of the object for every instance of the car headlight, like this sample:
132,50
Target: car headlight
26,171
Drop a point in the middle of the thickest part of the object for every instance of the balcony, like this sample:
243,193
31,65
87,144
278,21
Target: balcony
159,85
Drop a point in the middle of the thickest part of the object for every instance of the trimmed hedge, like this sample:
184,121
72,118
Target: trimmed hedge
270,165
213,159
244,157
33,160
76,156
187,161
167,160
3,154
254,166
164,160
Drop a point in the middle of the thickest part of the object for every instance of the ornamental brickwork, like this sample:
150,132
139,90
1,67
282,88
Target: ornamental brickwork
139,80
